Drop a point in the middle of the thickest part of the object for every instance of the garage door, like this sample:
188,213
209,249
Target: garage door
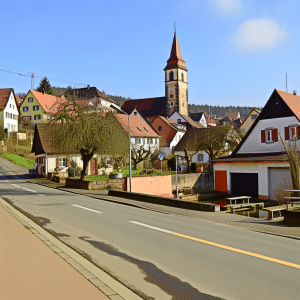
221,181
244,184
276,177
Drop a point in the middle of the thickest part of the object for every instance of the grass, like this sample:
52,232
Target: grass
24,147
19,160
125,172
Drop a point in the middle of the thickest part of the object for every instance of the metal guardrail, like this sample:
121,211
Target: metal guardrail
291,198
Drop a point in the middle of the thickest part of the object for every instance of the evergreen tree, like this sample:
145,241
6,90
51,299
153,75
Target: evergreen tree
45,87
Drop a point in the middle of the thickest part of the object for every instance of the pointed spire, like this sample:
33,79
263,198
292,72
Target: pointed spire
175,60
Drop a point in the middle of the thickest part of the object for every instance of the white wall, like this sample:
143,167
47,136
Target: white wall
11,108
194,158
243,167
253,143
52,161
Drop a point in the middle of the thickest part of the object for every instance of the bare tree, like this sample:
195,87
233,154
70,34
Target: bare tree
139,154
75,129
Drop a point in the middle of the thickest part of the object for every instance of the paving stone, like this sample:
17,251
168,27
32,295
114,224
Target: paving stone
97,282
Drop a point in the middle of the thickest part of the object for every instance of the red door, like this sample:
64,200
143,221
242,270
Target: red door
94,167
221,181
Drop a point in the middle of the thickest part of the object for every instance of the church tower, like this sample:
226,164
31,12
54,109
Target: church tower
176,85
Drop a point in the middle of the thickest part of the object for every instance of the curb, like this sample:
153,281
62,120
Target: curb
109,286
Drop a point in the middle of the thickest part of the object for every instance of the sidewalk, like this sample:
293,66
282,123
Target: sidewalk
29,269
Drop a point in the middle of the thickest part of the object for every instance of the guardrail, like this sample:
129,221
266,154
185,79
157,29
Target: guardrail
291,198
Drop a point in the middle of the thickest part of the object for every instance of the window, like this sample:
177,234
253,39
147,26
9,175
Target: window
199,157
62,162
9,105
171,76
182,77
7,115
35,107
139,128
37,117
159,128
26,118
25,108
11,116
146,129
135,113
30,99
269,135
171,103
178,120
253,117
292,132
137,141
150,141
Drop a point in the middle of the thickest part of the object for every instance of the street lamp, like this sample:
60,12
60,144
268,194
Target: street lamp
122,111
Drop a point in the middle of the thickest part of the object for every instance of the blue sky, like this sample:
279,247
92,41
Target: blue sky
236,51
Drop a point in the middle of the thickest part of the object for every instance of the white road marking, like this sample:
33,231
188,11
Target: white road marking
27,189
3,181
152,227
89,209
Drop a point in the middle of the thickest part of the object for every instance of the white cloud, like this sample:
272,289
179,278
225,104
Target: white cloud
260,34
227,8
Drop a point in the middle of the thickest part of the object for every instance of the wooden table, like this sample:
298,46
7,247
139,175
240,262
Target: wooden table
245,199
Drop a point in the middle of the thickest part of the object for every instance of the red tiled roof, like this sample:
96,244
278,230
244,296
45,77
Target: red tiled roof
4,95
136,122
191,122
49,103
209,120
293,101
233,116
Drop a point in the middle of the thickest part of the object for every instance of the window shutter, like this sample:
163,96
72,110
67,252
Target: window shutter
298,132
287,133
275,135
57,162
263,136
68,162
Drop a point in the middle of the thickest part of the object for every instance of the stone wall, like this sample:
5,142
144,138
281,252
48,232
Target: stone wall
201,182
116,184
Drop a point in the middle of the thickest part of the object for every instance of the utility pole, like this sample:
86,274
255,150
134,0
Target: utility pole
32,81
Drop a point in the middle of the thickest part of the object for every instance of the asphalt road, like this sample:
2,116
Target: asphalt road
163,256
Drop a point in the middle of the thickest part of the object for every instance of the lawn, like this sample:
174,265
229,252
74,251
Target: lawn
24,147
126,174
19,160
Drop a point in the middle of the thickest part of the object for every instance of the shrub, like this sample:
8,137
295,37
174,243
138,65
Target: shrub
279,194
73,168
172,164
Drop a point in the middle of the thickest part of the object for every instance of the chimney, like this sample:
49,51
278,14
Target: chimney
294,92
88,86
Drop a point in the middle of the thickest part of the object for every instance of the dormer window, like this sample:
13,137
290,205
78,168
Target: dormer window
135,113
146,129
171,76
139,128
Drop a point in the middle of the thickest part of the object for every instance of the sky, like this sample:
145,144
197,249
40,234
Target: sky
236,51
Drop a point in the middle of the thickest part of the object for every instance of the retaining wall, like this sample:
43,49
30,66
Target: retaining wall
201,182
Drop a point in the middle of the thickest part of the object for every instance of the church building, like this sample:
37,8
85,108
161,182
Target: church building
176,90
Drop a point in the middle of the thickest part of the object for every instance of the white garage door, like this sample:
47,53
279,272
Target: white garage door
276,177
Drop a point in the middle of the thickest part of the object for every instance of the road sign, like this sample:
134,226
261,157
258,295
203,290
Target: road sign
160,155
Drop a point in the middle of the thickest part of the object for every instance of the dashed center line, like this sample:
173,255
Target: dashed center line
89,209
27,189
278,261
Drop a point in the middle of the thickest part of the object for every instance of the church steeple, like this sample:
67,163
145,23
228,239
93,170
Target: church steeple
176,91
175,60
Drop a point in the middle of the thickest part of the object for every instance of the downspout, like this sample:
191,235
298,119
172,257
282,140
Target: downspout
46,164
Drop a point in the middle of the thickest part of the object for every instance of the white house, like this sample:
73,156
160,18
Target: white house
258,165
8,110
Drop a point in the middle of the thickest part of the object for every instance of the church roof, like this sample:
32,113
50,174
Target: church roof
147,106
175,60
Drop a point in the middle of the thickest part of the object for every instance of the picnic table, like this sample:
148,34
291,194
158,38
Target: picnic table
234,200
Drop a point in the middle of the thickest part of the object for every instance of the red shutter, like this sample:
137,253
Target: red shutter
263,136
298,132
287,133
68,162
57,162
275,135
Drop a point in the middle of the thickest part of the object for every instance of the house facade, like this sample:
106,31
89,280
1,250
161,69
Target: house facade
247,123
170,132
8,110
259,165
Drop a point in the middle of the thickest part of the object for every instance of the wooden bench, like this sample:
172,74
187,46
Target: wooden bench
273,209
245,199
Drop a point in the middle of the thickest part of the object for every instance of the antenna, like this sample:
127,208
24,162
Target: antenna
174,27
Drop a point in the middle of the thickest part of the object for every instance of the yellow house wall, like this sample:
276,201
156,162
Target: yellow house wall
30,111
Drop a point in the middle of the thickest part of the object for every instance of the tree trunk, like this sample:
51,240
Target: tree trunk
134,165
86,157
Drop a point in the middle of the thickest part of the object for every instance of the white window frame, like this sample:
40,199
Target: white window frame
62,162
36,107
269,137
